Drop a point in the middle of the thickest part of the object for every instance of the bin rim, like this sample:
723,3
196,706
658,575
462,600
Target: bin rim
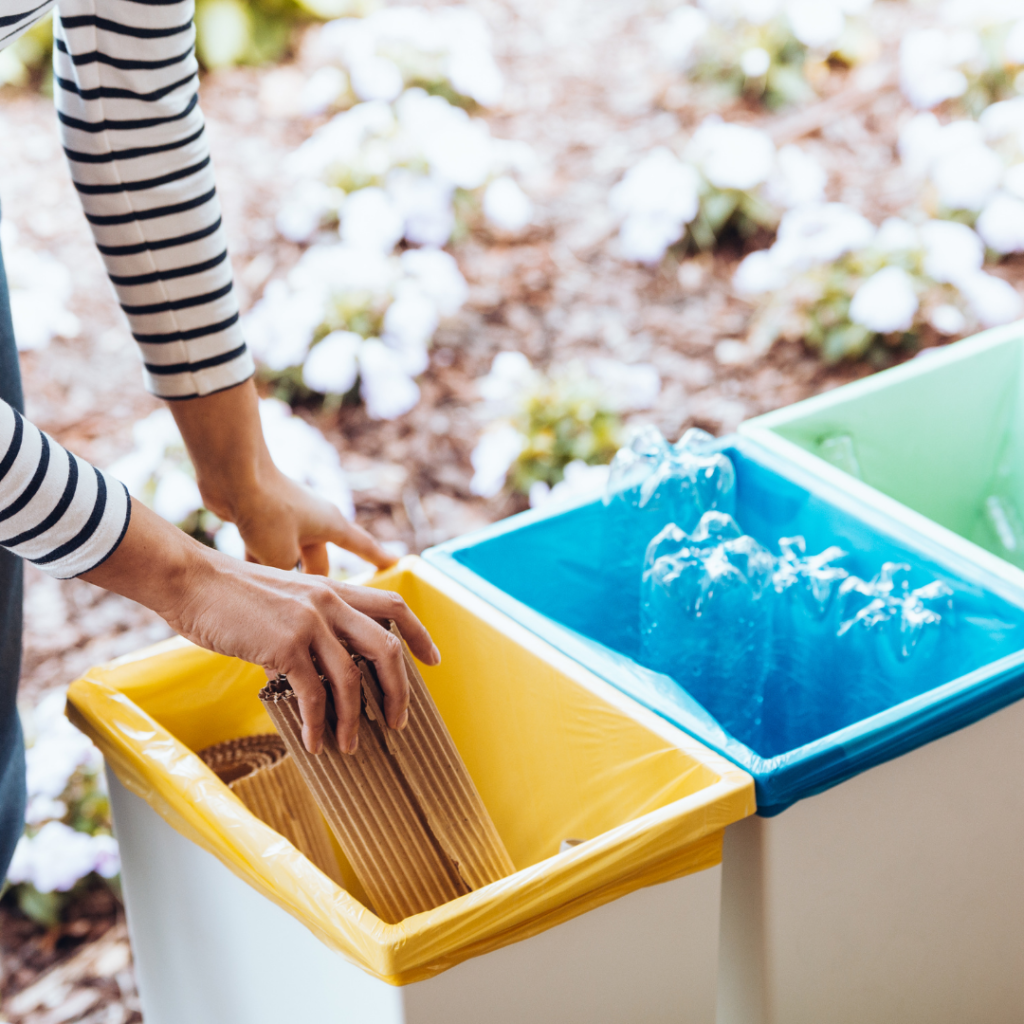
830,760
763,430
669,842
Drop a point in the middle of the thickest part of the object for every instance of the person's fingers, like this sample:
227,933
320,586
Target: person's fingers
312,698
386,604
315,561
381,647
345,681
355,539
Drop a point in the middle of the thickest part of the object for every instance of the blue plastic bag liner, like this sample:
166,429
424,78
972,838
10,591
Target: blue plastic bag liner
573,576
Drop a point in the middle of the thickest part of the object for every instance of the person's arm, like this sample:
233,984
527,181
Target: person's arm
70,519
280,521
126,90
271,618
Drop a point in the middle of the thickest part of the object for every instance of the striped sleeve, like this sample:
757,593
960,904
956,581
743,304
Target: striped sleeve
125,85
18,16
56,511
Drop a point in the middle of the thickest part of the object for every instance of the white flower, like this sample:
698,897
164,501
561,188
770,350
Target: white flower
370,220
385,386
506,205
39,287
630,387
58,856
655,199
1013,180
1014,45
1001,224
992,300
732,156
966,178
279,328
322,90
425,203
816,23
755,62
511,374
947,319
896,235
375,78
302,453
56,749
492,458
331,367
177,496
758,273
644,238
44,808
798,179
819,233
229,541
306,208
885,302
681,32
409,324
579,480
437,274
929,65
952,251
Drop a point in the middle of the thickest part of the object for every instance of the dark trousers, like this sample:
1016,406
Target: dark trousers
12,747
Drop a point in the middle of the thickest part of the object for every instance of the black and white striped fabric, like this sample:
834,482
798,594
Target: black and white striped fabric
125,84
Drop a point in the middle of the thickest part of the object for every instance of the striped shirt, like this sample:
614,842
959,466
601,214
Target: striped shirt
125,85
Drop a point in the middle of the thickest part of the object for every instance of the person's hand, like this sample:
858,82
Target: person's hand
281,522
279,620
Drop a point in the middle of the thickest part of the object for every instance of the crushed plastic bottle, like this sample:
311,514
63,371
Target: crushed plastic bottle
804,649
661,483
885,623
706,617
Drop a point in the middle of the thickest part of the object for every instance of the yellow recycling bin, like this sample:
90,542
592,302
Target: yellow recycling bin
557,755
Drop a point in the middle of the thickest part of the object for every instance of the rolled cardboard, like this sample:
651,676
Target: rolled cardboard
403,807
262,774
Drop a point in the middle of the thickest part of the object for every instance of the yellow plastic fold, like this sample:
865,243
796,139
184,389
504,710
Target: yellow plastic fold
555,752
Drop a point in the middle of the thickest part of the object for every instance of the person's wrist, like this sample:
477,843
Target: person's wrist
234,490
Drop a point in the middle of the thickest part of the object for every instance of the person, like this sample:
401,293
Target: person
126,93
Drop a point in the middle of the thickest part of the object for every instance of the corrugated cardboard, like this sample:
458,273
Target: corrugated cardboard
403,807
262,774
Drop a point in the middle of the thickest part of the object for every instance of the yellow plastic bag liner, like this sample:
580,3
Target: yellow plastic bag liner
556,754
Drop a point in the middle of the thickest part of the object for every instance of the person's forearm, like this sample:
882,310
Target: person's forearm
225,440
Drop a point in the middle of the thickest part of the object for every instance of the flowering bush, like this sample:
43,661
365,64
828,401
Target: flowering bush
67,823
39,288
835,281
974,170
348,315
765,48
731,177
976,59
158,471
446,51
541,425
384,172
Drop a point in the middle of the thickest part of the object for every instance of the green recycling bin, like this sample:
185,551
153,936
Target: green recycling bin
937,442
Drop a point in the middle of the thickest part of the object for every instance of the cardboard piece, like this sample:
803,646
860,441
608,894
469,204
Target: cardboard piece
261,773
403,807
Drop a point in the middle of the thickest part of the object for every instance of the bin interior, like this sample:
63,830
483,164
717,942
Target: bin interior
552,760
568,566
944,438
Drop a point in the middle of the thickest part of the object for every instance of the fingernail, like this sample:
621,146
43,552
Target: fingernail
318,746
404,720
435,655
353,745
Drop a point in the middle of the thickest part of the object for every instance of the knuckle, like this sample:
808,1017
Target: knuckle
392,647
394,605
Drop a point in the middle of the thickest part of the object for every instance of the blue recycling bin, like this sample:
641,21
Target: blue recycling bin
880,856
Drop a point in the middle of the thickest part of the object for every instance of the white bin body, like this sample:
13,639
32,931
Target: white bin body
210,950
896,897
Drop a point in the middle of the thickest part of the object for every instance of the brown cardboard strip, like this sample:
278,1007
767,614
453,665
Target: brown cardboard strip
403,807
261,773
